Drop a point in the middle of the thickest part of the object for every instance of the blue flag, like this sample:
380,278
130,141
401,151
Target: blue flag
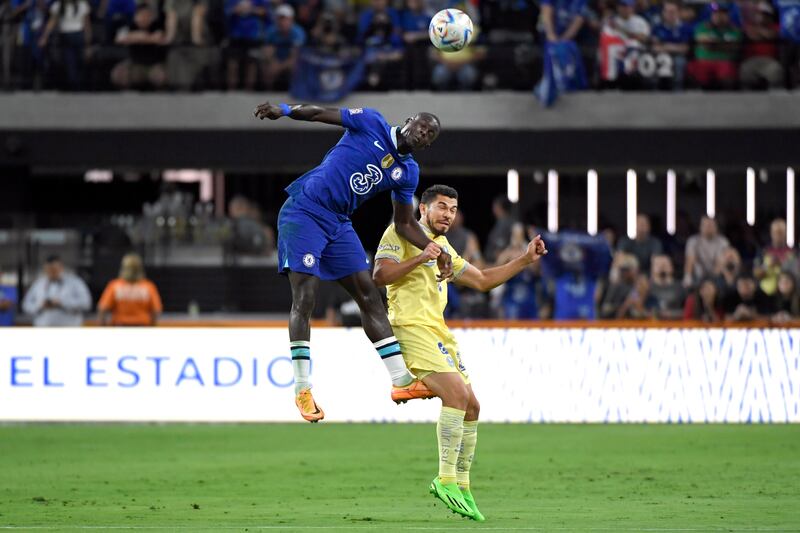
325,77
563,72
574,264
789,14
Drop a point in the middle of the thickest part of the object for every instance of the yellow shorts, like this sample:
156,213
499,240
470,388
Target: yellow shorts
428,350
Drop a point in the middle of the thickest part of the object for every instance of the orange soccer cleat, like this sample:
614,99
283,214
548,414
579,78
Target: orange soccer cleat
308,407
414,390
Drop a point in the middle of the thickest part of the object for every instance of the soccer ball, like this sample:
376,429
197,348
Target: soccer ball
450,30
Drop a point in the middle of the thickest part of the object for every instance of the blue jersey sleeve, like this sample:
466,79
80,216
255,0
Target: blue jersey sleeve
358,118
405,193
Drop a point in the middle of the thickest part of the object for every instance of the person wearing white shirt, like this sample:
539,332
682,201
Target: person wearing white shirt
57,298
632,28
70,18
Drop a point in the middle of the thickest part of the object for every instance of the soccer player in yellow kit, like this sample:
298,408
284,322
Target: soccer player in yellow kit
417,296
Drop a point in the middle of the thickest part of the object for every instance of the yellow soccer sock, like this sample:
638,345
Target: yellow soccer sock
449,431
466,454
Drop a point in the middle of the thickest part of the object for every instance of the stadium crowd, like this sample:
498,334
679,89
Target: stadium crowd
699,273
687,276
383,44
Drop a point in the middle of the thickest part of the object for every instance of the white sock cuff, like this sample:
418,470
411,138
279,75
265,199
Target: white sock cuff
300,344
385,342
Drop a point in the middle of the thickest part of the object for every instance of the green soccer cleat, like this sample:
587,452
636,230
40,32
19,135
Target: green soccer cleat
476,514
451,497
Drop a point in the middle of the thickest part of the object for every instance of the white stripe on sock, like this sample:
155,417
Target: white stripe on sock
384,342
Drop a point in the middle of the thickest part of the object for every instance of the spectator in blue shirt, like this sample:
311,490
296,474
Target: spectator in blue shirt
366,22
673,37
414,21
33,15
8,302
283,42
383,51
118,14
245,33
562,19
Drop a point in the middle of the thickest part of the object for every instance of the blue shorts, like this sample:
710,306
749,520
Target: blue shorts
323,245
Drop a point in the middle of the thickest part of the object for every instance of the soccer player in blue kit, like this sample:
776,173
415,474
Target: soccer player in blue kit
316,239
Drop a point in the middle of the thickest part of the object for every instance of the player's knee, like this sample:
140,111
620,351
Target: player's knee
303,303
371,303
473,408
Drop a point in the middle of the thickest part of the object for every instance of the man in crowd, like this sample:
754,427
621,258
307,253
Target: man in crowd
702,252
672,36
667,291
283,42
774,258
643,246
57,297
717,46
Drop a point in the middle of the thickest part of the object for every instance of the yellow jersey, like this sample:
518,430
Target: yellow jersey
417,298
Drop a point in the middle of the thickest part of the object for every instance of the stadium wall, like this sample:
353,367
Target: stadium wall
482,132
520,375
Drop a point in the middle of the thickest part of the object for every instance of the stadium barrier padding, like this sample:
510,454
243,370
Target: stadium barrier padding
522,374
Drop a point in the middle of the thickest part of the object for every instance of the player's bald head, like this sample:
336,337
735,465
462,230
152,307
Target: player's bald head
431,119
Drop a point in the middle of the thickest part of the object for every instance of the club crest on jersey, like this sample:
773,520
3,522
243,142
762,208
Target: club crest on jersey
387,161
363,183
397,173
308,260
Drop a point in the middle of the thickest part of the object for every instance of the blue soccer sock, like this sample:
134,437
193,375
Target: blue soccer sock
301,364
392,357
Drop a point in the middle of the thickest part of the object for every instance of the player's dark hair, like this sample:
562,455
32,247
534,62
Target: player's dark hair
433,191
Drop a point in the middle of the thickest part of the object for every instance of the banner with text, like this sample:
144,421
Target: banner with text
519,375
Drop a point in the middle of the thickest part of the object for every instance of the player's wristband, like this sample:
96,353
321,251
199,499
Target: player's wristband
285,109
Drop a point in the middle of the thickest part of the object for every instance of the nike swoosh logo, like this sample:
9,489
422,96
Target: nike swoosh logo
316,410
376,143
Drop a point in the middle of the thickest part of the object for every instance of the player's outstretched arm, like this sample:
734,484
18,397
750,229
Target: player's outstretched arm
307,112
408,228
388,271
489,278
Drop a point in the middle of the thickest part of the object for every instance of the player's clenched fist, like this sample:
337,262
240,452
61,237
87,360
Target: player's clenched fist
267,110
536,248
431,251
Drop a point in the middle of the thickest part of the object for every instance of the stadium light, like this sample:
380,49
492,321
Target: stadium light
631,203
97,175
751,196
790,207
591,202
512,185
711,193
190,175
552,201
671,182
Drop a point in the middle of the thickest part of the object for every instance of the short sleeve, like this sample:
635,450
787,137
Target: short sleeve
391,246
361,118
459,263
405,193
155,298
107,300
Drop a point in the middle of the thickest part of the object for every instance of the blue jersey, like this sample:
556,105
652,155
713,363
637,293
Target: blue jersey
678,34
564,12
364,162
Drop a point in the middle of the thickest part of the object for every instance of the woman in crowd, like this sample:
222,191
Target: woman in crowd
131,299
704,303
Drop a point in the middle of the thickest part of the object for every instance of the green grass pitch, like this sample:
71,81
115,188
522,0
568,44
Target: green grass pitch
339,477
